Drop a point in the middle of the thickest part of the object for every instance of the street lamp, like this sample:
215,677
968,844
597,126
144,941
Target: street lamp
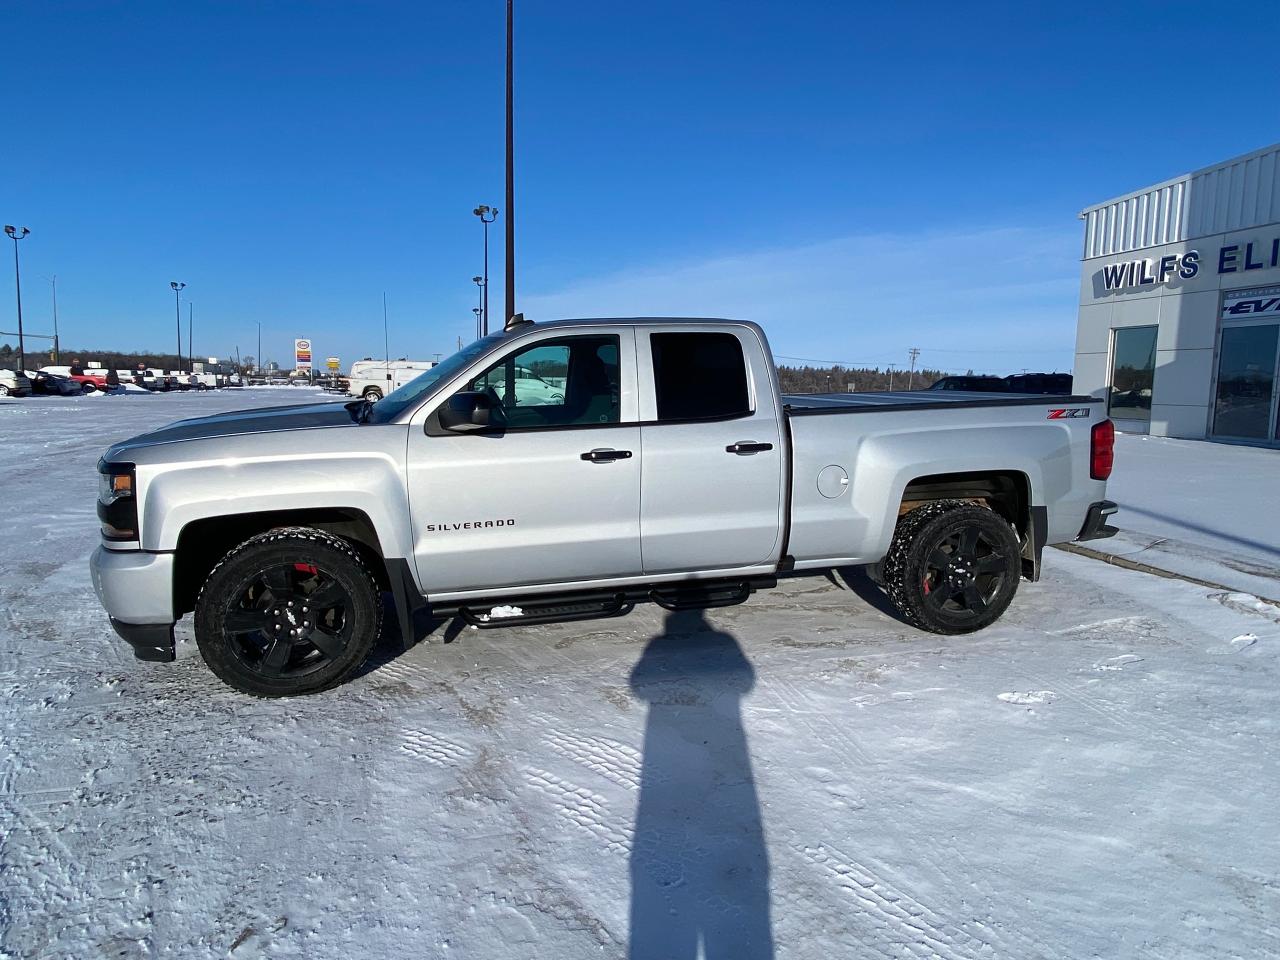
177,312
487,215
477,312
17,233
190,336
483,284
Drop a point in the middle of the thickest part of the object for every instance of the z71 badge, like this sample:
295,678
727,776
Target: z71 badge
1068,413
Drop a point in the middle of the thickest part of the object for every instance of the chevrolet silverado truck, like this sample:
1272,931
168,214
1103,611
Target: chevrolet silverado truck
669,468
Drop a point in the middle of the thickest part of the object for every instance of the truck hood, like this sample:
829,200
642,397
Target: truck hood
239,422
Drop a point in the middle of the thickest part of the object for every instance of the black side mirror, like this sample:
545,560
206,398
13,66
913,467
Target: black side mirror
467,411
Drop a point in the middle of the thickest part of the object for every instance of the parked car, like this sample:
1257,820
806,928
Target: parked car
1040,383
530,389
90,379
972,384
14,384
674,471
53,384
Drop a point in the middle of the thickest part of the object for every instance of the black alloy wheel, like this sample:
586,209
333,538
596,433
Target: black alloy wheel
290,620
288,612
953,566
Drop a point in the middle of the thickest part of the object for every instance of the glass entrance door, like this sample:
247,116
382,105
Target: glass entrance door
1245,404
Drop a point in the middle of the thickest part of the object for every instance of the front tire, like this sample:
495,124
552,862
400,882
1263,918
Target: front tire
289,612
953,567
373,394
4,390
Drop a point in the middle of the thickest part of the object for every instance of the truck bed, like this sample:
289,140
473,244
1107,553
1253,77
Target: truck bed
810,404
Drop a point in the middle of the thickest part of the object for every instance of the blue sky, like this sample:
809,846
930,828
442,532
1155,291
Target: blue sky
859,178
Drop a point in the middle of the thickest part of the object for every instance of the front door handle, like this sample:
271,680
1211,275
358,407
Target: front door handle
743,447
604,456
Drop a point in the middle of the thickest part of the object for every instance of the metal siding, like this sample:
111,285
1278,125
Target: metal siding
1234,195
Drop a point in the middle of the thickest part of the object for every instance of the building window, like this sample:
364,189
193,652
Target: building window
1246,381
1133,370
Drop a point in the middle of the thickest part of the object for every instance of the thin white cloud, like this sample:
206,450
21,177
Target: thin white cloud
1000,299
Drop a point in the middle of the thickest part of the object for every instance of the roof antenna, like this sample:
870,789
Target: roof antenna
517,320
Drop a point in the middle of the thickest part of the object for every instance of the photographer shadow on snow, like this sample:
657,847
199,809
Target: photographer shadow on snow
699,868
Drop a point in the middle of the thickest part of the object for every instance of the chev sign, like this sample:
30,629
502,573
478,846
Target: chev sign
1232,258
1246,304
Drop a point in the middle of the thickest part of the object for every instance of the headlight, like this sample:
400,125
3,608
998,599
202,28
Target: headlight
117,506
113,486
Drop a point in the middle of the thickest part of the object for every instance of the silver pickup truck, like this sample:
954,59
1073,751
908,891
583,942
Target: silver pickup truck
652,460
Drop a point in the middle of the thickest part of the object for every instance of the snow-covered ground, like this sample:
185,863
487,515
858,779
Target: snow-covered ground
1207,510
802,776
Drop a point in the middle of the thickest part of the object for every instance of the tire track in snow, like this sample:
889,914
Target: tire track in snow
586,810
610,759
940,857
434,749
899,919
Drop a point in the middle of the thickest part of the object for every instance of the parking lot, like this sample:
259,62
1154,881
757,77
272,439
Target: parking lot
803,775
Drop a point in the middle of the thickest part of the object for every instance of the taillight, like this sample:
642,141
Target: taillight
1102,449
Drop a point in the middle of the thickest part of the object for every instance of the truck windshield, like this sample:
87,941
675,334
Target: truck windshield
397,401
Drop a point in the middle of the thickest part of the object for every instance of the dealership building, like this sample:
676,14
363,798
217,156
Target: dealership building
1179,324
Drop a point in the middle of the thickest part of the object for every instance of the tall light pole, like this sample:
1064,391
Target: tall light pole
257,361
487,215
190,336
177,313
482,323
53,282
17,233
477,311
511,183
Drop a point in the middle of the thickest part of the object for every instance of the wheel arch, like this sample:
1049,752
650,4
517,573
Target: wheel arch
1007,492
205,541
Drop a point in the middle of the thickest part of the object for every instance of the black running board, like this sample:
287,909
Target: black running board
600,604
545,611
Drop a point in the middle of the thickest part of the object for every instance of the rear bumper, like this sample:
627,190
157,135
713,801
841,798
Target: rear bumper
1095,522
136,589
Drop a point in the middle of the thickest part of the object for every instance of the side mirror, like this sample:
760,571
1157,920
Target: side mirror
465,412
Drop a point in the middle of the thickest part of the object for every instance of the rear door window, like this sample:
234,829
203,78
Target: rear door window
699,376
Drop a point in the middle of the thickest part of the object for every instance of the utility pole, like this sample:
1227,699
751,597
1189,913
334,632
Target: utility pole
17,233
911,378
511,183
177,313
891,378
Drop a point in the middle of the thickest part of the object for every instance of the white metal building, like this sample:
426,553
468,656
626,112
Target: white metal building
1179,322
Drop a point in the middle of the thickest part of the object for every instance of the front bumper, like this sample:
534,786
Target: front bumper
1095,522
136,589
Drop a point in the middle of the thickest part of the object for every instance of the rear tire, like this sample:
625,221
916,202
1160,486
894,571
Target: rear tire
4,390
289,612
88,388
372,394
953,567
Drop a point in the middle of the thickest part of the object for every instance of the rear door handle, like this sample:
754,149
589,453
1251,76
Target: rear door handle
604,456
743,447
